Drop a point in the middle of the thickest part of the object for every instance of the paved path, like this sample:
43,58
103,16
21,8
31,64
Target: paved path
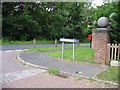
42,59
4,78
12,70
44,80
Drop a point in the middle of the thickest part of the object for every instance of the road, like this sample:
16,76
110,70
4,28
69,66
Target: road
28,46
9,52
10,64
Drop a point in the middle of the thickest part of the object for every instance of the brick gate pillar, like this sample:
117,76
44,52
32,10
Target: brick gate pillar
100,38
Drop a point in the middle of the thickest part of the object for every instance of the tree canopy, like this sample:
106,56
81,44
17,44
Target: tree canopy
54,20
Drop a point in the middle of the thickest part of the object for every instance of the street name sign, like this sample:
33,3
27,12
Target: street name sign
68,40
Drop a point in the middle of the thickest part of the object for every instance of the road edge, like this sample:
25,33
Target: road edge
27,63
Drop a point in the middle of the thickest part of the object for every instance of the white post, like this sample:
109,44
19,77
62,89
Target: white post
62,50
34,43
55,42
73,51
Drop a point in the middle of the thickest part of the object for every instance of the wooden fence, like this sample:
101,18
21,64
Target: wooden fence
113,51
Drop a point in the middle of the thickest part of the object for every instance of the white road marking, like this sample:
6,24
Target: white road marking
18,50
9,51
14,50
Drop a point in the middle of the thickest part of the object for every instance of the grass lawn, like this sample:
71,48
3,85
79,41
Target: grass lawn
53,48
82,54
26,42
44,41
43,49
111,74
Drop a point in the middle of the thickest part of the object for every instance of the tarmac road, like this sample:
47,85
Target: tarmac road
9,52
10,64
28,46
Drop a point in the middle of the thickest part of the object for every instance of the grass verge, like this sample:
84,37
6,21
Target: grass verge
83,54
43,49
0,41
26,42
111,74
53,48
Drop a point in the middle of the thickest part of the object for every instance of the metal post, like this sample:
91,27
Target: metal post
55,42
73,51
62,50
90,43
78,42
34,43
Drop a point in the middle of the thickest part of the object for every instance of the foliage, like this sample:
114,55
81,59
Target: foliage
26,21
54,20
115,25
106,10
53,71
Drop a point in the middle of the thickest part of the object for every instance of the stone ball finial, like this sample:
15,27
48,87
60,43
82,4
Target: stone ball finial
103,22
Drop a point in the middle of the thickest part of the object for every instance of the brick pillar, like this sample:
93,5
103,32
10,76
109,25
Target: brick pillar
100,38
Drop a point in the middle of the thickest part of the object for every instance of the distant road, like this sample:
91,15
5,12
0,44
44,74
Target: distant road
28,46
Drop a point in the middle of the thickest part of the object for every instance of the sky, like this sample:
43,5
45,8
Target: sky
97,3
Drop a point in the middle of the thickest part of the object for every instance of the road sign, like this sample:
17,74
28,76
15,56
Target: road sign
68,40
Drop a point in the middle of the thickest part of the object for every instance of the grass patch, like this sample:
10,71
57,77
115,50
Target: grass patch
111,74
119,60
53,71
43,49
44,41
0,41
53,48
84,54
26,42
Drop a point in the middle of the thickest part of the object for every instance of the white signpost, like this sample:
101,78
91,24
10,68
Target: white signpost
68,40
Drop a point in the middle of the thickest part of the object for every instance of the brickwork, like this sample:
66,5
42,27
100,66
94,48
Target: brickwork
100,38
45,80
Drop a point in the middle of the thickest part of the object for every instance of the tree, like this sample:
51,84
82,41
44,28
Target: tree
17,23
54,20
106,10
